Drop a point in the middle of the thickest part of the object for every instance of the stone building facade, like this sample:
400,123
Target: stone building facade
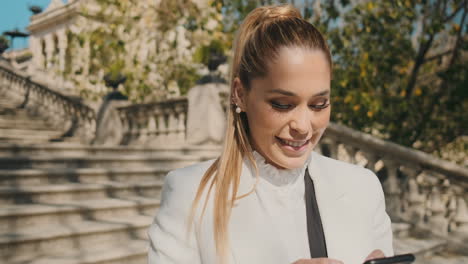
64,55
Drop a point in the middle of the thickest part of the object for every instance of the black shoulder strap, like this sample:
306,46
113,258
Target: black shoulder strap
317,244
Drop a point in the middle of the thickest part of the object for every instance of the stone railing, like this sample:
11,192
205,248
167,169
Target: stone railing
62,112
428,192
154,123
166,123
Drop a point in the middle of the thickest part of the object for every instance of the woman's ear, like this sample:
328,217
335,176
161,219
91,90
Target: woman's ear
238,94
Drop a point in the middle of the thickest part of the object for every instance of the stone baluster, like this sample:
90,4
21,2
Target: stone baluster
133,131
152,127
413,203
351,153
181,126
142,121
331,145
162,128
172,127
371,160
392,189
437,222
126,126
460,219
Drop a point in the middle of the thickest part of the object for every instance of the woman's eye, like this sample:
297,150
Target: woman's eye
281,106
321,105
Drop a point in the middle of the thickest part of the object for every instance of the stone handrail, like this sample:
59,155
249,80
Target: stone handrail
155,123
61,111
420,189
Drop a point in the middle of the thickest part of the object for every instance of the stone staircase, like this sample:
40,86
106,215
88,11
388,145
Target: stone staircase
69,203
65,203
18,125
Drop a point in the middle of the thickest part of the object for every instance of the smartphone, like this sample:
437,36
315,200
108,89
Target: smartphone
402,259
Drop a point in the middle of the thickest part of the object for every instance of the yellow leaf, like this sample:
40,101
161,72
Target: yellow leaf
363,73
356,107
403,93
370,114
370,5
347,99
418,92
365,55
343,83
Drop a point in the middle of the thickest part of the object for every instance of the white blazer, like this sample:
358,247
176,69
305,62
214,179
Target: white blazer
349,197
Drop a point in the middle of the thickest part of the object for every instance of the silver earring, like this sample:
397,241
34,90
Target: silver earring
238,110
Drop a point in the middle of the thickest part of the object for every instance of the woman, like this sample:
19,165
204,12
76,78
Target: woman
268,198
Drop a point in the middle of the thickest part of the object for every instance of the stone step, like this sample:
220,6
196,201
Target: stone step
23,123
21,139
60,193
131,252
70,237
78,149
9,103
25,177
443,258
99,161
19,114
18,217
418,246
26,126
18,132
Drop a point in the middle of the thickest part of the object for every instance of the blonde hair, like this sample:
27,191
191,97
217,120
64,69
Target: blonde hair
264,31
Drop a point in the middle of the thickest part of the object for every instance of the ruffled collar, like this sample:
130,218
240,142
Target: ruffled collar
278,177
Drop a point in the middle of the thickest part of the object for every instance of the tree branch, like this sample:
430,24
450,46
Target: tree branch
443,84
455,12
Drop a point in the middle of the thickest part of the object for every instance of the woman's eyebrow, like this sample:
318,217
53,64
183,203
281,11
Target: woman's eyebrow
288,93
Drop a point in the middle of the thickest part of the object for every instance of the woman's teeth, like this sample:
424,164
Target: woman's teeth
294,144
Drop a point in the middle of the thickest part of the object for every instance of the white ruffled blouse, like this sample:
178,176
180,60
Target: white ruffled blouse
281,193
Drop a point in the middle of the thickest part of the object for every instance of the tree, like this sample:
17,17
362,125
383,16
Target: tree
400,70
4,44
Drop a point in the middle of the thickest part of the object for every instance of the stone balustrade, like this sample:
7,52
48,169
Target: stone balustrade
420,189
68,114
159,123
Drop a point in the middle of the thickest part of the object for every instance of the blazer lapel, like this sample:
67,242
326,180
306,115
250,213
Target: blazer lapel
253,238
330,199
345,234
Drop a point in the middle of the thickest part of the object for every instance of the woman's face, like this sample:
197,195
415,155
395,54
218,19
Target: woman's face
289,109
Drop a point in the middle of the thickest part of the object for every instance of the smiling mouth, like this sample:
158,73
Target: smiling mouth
294,144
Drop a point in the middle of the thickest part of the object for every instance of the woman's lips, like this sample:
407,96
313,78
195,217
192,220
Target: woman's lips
294,144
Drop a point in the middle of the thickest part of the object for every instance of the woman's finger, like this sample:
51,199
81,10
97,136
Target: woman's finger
375,254
318,261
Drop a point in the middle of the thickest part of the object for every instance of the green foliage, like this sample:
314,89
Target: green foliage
4,44
202,54
385,80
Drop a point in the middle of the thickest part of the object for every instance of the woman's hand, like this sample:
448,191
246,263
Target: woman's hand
318,261
375,255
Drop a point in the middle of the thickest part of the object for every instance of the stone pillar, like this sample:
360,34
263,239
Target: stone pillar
49,49
62,42
206,118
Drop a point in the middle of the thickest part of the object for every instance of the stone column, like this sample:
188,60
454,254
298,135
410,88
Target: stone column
62,42
49,49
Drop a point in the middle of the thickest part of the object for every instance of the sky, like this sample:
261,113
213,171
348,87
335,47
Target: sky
15,14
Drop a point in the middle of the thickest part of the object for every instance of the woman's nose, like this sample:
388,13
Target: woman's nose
301,122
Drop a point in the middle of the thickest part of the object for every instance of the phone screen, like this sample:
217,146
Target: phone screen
400,259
